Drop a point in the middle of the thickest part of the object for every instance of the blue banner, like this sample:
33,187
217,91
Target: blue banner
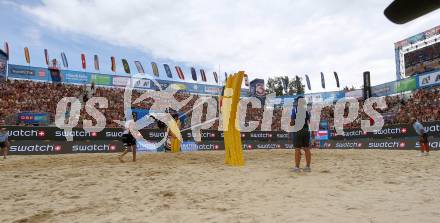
75,77
33,117
28,72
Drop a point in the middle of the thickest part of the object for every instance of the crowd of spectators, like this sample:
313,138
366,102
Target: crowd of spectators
19,96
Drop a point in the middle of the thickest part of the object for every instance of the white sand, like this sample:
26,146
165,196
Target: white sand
345,186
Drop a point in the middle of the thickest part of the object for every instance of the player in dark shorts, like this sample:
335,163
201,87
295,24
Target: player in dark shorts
423,137
129,142
4,143
302,141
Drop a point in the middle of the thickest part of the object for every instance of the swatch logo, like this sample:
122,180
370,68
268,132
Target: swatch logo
112,147
41,133
404,130
402,145
57,148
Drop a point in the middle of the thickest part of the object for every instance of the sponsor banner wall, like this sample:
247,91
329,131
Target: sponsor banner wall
80,77
429,79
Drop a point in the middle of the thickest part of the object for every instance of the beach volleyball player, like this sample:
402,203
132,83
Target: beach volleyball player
129,141
302,140
423,137
4,143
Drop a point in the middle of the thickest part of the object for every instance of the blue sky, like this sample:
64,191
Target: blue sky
264,38
22,30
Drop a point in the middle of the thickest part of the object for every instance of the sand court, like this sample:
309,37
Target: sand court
344,186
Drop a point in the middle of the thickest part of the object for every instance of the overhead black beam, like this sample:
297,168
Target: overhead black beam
403,11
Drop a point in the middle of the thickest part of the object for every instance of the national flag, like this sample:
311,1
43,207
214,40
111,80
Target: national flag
96,61
155,69
126,66
308,82
26,55
168,70
139,67
113,61
193,74
215,76
64,59
46,56
180,73
6,46
336,78
83,61
203,75
322,80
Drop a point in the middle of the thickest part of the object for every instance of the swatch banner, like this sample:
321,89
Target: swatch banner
47,147
411,143
392,131
32,147
54,133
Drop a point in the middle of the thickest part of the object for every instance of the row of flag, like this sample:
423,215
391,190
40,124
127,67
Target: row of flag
154,67
126,66
309,86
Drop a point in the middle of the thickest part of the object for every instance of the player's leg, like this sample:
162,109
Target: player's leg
133,149
123,154
4,151
297,157
308,156
426,143
4,148
422,147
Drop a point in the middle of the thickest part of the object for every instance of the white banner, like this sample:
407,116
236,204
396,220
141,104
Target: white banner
429,79
120,81
354,94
